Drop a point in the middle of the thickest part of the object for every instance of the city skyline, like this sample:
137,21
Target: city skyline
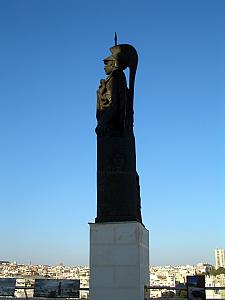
199,265
51,64
30,263
173,276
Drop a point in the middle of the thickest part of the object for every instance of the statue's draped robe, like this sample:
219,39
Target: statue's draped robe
118,191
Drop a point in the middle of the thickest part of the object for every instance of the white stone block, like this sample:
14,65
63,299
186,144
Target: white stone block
119,261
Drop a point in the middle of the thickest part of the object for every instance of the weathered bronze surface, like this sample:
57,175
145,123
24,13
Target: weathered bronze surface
118,190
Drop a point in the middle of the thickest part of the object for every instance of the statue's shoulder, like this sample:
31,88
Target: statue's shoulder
113,76
118,75
117,78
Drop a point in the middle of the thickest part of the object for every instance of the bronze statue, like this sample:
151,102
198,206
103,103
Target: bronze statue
118,191
114,99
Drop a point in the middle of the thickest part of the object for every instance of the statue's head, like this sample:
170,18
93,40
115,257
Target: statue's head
123,56
120,56
110,64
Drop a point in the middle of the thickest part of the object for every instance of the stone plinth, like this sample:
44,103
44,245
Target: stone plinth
119,261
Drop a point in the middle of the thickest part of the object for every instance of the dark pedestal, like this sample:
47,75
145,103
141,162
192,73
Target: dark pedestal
118,191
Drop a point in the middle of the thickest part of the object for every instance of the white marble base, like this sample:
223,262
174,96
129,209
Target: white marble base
119,261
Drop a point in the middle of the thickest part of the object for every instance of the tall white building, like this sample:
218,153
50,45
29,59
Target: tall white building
220,258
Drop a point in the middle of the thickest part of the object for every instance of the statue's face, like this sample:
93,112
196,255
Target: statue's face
109,66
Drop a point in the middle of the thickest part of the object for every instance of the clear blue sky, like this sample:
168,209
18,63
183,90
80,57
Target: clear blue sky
50,64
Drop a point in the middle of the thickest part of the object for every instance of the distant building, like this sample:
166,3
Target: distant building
220,258
202,268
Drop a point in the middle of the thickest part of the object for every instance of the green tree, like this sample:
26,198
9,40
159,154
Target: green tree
219,271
